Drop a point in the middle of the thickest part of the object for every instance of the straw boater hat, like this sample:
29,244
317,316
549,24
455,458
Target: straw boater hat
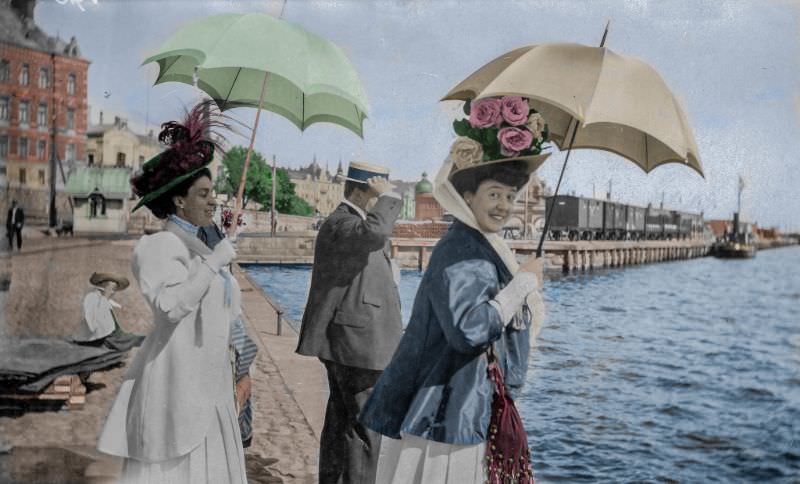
190,149
498,130
98,278
361,172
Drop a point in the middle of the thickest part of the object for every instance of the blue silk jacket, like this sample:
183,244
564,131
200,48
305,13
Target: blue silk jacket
436,386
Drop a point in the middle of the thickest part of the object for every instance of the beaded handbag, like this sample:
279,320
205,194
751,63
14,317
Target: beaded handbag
508,459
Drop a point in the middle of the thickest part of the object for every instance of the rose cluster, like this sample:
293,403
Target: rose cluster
498,127
227,217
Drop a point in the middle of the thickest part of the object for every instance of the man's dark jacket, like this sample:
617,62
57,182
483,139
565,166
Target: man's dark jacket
353,312
19,218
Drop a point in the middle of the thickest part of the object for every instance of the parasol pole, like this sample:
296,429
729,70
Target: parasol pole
272,221
540,248
240,193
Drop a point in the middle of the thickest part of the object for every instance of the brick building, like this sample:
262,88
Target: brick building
42,106
425,205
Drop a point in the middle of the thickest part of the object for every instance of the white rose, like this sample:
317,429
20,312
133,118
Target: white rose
536,125
466,152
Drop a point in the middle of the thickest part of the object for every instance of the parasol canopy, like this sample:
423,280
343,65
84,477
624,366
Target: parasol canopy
310,79
621,104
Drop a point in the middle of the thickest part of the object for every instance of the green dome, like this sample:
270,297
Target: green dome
424,186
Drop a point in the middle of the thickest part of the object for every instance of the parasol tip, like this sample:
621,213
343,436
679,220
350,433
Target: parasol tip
605,33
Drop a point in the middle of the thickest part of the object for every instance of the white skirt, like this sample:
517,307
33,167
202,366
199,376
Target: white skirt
414,460
219,459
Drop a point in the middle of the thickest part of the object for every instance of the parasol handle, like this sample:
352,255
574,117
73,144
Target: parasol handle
548,216
237,207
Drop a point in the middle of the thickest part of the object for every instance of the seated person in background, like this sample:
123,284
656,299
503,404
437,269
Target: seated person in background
100,326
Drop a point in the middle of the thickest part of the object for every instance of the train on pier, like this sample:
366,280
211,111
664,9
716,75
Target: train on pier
581,218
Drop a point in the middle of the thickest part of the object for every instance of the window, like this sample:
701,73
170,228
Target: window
5,71
71,84
41,177
70,152
91,158
23,112
41,149
41,116
4,108
120,159
141,161
22,178
44,78
24,75
3,147
70,119
22,150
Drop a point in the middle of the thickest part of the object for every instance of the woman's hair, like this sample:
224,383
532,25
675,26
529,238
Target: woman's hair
163,206
512,173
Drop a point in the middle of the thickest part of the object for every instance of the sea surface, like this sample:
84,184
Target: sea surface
685,371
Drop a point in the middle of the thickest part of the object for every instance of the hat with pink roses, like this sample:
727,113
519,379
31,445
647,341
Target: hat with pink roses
499,130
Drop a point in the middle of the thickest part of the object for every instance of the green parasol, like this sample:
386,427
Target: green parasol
260,61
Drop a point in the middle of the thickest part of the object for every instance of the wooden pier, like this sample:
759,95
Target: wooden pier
572,256
298,248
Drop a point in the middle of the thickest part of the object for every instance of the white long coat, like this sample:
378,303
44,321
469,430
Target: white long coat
168,398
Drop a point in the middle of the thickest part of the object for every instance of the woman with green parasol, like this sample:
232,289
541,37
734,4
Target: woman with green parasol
175,417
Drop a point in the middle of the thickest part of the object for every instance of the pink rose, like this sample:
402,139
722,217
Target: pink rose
514,140
485,113
515,110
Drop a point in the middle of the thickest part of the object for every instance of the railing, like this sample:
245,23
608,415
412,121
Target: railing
277,307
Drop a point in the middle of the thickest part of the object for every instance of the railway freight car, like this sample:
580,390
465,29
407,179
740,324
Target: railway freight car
575,217
634,222
614,220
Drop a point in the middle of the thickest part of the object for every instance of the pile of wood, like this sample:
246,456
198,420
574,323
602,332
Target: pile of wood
67,389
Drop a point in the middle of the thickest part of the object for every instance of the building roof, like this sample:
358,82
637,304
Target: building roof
122,125
112,182
17,27
424,185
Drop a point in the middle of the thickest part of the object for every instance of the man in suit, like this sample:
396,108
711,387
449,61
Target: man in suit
14,222
352,319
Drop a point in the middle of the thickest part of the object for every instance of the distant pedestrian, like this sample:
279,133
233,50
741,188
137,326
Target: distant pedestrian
14,223
352,321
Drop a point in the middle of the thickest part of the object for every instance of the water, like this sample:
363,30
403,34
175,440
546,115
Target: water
288,285
676,372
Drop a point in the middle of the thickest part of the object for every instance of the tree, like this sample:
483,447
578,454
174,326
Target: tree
258,186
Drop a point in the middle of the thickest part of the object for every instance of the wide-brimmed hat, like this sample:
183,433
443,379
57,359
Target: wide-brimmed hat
191,149
499,130
98,278
361,172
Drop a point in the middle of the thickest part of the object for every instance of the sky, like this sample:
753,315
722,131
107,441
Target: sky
734,65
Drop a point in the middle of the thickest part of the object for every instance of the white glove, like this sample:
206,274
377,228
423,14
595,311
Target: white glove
511,297
223,254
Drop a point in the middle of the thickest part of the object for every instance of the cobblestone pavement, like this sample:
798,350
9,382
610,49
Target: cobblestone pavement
48,281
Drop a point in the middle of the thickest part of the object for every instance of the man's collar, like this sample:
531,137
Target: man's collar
361,213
